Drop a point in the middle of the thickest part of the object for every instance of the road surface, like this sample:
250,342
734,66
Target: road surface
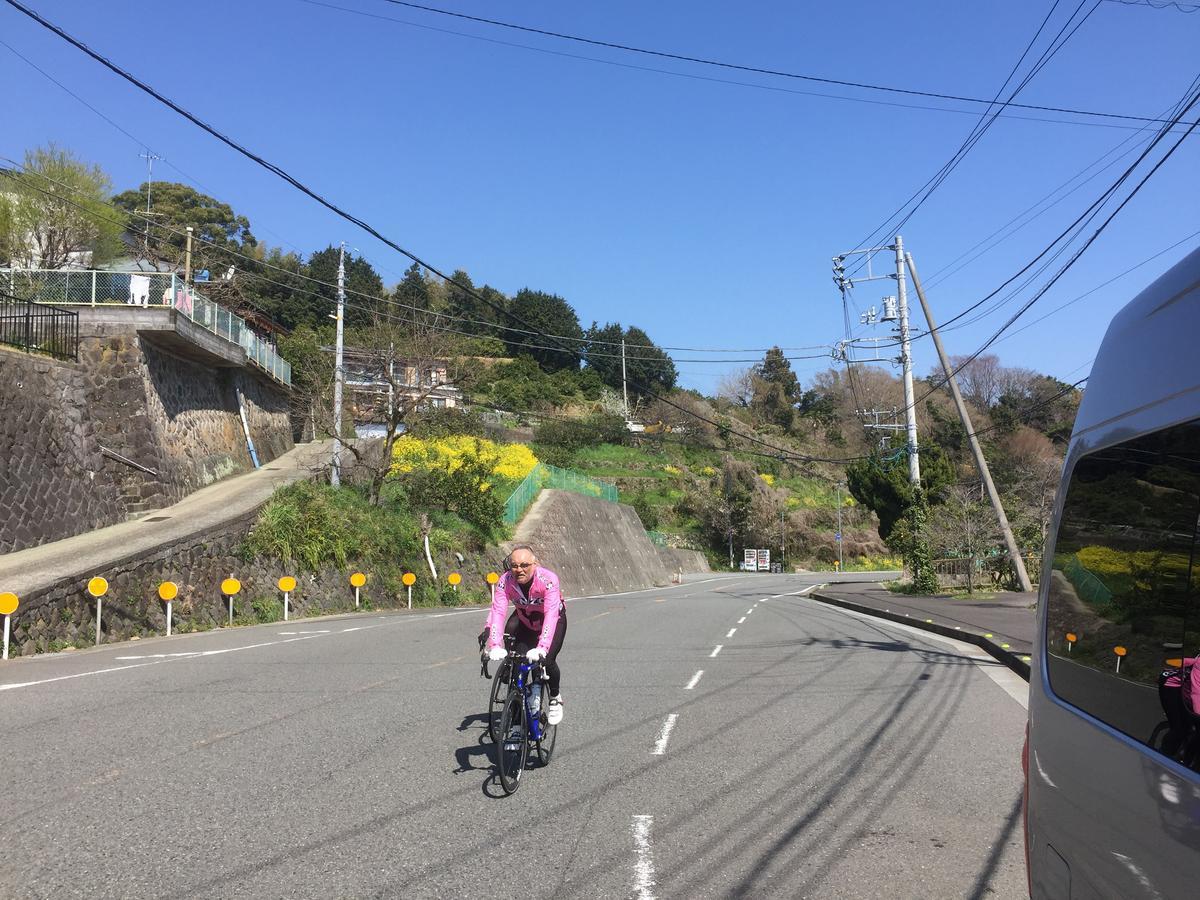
722,738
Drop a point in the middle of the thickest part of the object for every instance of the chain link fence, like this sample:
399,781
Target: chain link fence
546,476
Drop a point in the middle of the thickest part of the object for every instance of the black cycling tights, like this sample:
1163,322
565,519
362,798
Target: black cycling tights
527,638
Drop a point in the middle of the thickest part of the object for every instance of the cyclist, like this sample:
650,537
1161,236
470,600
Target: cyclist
538,623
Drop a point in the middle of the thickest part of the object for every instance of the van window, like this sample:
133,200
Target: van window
1122,588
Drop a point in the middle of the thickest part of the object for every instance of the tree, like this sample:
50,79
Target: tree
646,366
963,525
55,212
412,292
552,323
217,231
776,390
363,285
737,387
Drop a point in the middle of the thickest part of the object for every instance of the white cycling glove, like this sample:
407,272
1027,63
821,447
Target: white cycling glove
537,654
495,654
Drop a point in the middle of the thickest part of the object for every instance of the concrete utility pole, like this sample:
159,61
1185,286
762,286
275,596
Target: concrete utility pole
335,475
187,260
1011,542
910,407
624,387
841,565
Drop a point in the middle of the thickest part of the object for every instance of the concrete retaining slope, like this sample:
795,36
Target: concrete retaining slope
597,547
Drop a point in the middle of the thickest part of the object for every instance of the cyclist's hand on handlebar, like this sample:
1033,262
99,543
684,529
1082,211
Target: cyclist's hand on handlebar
495,654
537,654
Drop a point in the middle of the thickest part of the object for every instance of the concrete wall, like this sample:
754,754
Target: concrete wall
129,394
597,547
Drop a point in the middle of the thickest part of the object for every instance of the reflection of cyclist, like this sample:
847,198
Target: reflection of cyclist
539,622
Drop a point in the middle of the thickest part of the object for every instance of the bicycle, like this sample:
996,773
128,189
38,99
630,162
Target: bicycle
523,717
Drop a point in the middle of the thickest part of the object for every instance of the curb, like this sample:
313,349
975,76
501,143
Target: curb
1007,657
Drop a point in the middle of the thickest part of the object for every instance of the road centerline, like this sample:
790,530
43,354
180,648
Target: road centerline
716,650
695,679
660,746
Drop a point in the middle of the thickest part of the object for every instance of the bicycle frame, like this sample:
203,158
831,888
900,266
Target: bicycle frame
523,681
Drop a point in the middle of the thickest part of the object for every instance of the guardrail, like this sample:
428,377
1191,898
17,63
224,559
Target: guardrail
546,476
97,288
39,329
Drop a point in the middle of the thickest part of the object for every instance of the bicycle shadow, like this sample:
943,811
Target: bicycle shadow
482,752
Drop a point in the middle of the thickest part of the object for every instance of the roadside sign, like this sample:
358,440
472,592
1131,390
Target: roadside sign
454,578
492,577
409,579
287,584
8,604
97,587
230,586
358,579
837,536
168,591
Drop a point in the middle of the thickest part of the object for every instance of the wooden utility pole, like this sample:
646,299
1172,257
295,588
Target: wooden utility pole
976,450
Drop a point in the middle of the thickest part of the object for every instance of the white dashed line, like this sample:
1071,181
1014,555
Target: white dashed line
695,678
643,869
741,620
716,650
731,631
660,746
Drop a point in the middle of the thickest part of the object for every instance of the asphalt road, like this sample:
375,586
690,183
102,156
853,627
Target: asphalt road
819,754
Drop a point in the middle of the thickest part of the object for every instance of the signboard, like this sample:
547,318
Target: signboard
764,560
751,559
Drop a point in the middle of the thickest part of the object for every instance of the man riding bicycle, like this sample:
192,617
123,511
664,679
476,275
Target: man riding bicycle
538,623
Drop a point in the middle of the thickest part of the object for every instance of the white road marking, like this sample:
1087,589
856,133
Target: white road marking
731,631
741,620
716,650
643,869
695,678
750,610
660,746
158,659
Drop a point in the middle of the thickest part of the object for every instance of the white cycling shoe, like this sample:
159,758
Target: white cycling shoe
554,710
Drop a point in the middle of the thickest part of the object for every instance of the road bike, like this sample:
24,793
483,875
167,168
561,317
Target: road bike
522,720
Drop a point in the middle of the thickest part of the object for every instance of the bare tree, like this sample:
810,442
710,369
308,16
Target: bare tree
963,525
392,368
737,387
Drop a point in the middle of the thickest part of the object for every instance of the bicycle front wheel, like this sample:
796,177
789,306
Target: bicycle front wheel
512,746
496,701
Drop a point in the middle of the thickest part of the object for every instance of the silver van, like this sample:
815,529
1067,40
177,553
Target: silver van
1112,757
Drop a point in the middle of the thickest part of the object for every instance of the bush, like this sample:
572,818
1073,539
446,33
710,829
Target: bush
571,435
646,511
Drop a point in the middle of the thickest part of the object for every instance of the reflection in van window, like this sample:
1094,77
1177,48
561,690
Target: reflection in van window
1122,611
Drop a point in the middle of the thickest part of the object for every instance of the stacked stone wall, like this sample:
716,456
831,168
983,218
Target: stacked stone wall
175,422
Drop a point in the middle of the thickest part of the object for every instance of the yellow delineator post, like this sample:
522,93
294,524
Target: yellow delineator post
357,580
97,587
491,578
229,587
409,580
454,578
8,606
287,584
1120,651
168,591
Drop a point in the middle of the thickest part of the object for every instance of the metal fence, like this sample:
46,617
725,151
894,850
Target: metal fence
1087,583
96,288
41,329
993,570
547,476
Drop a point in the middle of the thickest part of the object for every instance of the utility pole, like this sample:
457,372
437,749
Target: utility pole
782,541
624,386
187,260
910,410
976,450
335,476
149,158
841,565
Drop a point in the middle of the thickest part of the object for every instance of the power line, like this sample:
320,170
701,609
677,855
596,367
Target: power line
775,88
757,70
1165,4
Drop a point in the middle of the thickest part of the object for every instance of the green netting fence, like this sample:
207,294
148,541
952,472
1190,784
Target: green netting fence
657,538
1086,583
547,476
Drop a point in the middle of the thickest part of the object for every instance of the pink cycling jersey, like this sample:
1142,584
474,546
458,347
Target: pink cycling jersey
543,601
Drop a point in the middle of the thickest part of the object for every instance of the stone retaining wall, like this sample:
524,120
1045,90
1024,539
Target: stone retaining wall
175,417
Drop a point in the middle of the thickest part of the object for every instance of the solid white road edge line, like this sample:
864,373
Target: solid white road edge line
643,869
695,679
660,746
1006,679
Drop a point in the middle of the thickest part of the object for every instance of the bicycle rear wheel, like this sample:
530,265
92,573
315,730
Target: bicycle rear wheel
512,746
545,745
496,701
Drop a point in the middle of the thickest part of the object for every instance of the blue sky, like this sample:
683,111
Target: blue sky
705,212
